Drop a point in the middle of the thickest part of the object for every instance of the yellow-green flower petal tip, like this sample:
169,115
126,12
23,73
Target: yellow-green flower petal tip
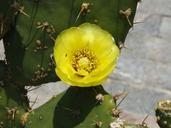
85,55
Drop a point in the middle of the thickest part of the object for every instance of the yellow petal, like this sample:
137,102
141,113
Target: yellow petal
85,55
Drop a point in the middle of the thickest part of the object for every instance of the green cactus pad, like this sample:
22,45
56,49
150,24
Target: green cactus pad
12,106
37,23
75,108
163,113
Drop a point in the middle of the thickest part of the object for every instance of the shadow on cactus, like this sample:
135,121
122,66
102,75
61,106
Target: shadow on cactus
2,70
83,113
6,15
24,66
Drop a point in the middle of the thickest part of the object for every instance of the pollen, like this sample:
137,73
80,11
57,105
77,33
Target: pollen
84,61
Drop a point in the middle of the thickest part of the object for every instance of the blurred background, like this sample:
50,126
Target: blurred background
143,70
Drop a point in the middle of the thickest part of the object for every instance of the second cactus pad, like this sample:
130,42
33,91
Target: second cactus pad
163,113
75,108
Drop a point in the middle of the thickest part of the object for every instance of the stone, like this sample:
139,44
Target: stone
2,56
165,28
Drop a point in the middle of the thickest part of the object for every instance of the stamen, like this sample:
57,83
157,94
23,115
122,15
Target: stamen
84,61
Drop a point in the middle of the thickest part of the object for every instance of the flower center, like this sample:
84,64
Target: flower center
84,61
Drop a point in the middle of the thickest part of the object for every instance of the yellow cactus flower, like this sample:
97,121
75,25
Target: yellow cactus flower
85,55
